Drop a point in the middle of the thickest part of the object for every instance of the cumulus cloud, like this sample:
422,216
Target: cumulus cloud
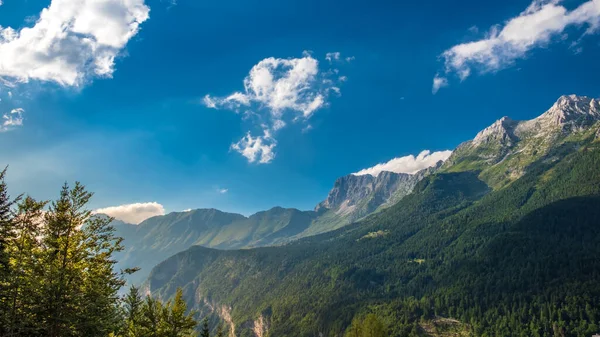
279,85
133,213
12,119
407,164
535,27
71,41
276,92
438,83
256,149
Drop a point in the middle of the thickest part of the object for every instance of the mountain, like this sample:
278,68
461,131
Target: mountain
501,241
156,238
352,197
505,149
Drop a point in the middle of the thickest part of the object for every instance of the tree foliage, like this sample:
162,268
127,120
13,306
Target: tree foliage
58,277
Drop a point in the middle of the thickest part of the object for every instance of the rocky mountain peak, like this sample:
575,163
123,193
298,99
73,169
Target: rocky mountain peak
501,131
572,110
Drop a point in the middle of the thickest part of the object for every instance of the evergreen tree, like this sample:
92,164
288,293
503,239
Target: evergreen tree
355,329
6,234
205,332
24,279
151,319
79,295
133,305
177,322
100,301
370,326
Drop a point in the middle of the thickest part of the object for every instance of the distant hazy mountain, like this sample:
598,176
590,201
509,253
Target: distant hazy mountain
159,237
352,197
501,241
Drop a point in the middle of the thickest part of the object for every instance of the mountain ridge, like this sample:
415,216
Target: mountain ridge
458,246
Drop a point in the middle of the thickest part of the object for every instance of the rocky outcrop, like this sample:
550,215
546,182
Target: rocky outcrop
513,145
502,131
260,327
355,196
224,312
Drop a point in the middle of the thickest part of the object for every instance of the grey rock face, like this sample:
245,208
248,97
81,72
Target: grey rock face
356,196
502,131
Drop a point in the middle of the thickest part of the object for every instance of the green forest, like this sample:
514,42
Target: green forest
57,275
453,256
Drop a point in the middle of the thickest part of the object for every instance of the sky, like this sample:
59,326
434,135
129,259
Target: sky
160,106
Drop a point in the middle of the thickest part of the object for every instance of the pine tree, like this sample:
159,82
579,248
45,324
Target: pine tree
100,302
79,295
177,322
6,235
133,305
24,279
205,332
151,319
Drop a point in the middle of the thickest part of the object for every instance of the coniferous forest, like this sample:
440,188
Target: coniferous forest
57,275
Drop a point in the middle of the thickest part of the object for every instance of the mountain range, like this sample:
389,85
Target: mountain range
353,197
500,240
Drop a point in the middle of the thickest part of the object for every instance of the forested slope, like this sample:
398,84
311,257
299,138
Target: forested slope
519,260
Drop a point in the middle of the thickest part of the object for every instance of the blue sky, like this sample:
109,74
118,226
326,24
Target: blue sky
126,113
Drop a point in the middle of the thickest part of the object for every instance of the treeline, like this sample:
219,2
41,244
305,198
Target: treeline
57,275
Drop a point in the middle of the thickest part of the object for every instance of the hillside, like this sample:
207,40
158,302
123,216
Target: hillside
159,237
502,241
351,198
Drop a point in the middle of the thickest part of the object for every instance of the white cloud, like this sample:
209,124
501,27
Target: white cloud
407,164
71,41
333,56
133,213
307,128
535,27
209,102
279,85
222,190
12,119
276,92
337,56
278,124
438,83
259,148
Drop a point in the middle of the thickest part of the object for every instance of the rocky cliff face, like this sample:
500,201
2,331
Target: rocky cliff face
352,189
355,196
